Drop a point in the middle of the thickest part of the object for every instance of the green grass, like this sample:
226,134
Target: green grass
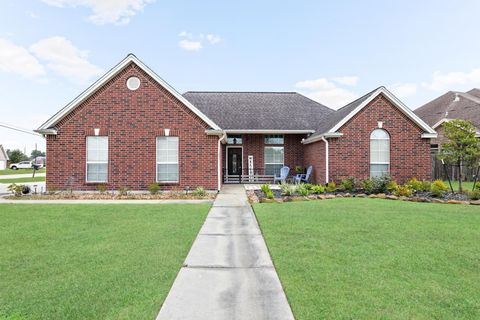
467,185
92,261
23,180
376,259
20,171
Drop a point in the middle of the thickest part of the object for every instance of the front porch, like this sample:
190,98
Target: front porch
257,158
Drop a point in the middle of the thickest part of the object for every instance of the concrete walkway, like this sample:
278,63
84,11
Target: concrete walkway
228,273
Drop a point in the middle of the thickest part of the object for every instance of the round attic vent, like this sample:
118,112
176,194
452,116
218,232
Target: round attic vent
133,83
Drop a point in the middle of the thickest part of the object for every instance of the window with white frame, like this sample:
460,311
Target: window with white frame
379,153
97,159
274,139
274,157
234,139
167,159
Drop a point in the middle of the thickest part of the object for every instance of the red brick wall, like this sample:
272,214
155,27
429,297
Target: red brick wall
253,144
132,120
315,156
409,153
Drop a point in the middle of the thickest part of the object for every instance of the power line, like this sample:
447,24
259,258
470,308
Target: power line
9,126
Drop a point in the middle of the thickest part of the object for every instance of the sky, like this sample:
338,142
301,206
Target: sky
331,51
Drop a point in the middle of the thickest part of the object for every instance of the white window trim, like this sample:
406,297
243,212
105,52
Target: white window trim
389,151
167,162
275,163
96,162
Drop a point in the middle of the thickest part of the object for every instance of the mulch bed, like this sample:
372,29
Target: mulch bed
114,196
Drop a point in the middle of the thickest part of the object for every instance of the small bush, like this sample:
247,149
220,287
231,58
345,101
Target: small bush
392,186
15,189
438,188
303,190
265,188
348,184
101,188
415,184
269,194
331,187
403,191
153,188
200,192
318,189
309,186
426,185
52,190
376,184
475,194
123,191
288,189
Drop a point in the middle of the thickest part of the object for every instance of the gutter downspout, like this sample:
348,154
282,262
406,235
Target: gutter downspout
327,178
219,160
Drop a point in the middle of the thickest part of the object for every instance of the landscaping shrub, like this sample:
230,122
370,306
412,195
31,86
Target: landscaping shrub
101,188
437,188
426,185
392,186
288,189
15,189
318,189
348,184
403,191
376,184
415,184
200,192
309,186
303,190
123,191
475,194
153,188
331,187
267,191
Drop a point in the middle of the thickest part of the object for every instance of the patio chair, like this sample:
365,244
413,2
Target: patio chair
304,177
283,175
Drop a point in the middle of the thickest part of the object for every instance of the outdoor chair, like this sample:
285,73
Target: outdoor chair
283,175
304,177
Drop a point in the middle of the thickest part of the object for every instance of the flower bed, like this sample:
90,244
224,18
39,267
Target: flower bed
382,188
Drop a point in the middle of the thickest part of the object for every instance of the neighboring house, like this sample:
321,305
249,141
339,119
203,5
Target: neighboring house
451,105
131,128
3,158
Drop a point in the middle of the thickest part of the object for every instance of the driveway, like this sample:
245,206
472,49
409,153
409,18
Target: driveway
228,273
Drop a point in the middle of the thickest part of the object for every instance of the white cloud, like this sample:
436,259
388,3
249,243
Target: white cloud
105,11
453,80
346,80
403,90
191,42
66,60
190,45
326,92
213,38
17,59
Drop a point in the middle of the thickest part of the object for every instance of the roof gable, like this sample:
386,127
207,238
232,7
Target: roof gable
335,121
49,126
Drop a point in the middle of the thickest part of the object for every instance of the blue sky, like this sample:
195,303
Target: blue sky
332,51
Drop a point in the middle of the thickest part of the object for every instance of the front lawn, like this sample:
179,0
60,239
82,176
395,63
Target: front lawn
375,259
92,261
22,180
20,171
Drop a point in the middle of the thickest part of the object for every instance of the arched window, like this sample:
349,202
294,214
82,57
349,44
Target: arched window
379,153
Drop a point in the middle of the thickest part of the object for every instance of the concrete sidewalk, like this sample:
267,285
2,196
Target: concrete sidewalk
22,175
228,273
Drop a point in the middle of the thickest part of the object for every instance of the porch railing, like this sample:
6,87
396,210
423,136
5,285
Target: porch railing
256,175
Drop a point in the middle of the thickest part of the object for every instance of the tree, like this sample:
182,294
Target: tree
462,147
37,153
16,155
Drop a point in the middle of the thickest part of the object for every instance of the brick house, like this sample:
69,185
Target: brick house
131,128
451,105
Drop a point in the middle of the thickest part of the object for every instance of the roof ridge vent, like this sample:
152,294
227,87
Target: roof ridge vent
457,98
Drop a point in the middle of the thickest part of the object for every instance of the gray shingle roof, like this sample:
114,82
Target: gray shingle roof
260,110
335,117
445,107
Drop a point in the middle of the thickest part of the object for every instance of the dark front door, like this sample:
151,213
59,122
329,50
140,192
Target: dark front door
234,159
